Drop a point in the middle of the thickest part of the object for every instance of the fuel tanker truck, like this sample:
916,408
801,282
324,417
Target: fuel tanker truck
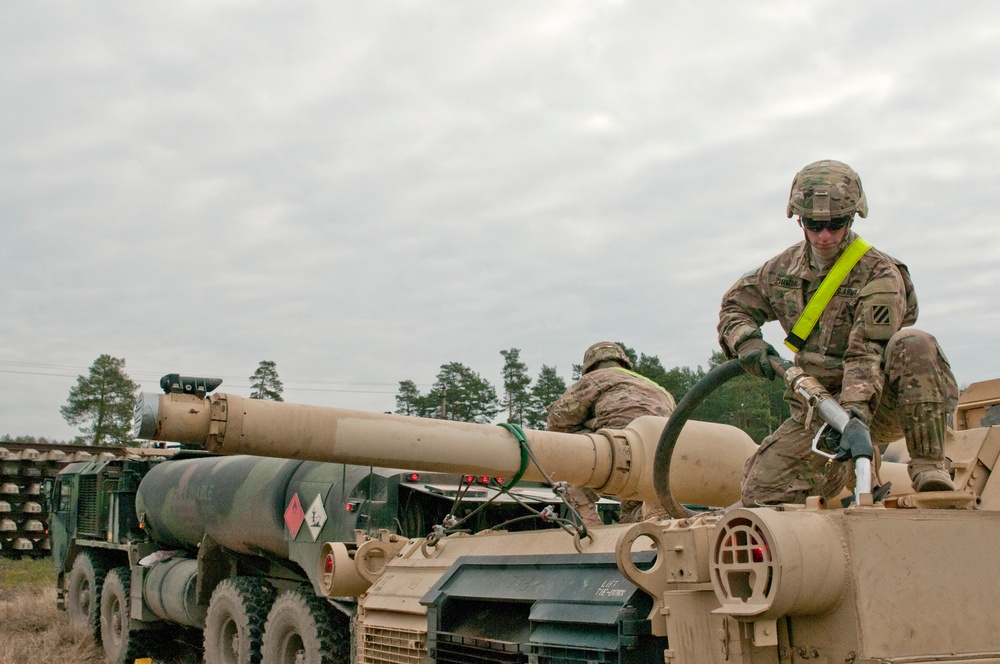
880,575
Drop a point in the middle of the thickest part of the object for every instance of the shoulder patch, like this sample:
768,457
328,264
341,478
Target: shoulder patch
880,314
883,313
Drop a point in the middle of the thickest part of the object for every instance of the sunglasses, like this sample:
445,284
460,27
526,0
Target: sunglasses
815,225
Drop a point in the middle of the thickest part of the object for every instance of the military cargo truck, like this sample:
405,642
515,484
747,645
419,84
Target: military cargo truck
882,577
162,539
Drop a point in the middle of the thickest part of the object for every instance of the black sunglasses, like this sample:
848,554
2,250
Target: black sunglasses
815,225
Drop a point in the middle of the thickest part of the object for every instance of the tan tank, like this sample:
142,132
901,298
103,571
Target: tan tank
907,579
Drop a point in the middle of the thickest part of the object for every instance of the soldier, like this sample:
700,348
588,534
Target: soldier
859,345
609,395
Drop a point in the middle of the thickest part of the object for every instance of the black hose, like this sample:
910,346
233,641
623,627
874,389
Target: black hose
668,439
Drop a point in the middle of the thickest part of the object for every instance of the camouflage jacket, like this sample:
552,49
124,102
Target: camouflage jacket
607,398
845,350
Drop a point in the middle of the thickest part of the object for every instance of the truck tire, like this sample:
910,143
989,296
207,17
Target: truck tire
120,641
83,592
234,624
303,628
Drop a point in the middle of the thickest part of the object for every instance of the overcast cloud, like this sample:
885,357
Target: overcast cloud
364,191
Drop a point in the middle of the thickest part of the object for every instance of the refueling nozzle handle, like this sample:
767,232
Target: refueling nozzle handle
855,437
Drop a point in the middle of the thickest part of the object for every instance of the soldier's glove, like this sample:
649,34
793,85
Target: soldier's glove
754,355
854,442
829,440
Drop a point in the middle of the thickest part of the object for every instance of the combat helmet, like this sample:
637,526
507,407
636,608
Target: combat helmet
604,350
826,190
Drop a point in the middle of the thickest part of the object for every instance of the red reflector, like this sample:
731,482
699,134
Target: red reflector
469,479
484,480
413,477
349,507
328,564
499,480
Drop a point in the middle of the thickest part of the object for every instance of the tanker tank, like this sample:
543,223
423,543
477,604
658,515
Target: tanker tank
239,501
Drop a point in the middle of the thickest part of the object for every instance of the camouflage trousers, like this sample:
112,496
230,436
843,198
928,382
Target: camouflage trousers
637,511
918,393
583,500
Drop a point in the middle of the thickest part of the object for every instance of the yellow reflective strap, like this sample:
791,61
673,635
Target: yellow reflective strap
817,305
651,382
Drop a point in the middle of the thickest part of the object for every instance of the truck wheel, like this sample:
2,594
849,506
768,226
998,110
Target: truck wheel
302,628
83,592
234,624
120,641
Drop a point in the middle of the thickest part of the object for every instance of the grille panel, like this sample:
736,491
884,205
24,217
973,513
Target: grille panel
381,645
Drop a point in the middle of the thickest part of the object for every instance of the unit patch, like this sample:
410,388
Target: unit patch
880,314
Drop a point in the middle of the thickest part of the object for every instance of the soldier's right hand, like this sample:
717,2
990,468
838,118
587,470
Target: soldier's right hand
755,357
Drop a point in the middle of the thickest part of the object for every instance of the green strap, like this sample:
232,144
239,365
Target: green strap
651,382
817,305
522,441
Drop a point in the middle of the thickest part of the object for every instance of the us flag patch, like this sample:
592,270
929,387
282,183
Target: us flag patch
880,314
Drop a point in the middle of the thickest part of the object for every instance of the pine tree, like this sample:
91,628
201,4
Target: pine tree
548,387
264,383
464,395
103,401
515,386
409,401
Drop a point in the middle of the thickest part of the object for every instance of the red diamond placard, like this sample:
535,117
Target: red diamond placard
294,516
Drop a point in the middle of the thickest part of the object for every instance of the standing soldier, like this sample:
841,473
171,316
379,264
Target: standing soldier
846,308
609,395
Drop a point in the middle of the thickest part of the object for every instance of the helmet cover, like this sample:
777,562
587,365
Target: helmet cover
604,350
825,190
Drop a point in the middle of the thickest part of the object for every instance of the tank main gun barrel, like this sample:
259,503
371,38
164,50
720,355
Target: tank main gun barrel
614,462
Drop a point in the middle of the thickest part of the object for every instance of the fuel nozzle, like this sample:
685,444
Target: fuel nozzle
855,438
816,399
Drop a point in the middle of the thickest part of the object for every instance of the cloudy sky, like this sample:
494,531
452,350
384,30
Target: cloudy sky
364,191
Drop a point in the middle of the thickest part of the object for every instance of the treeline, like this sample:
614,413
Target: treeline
102,401
459,393
31,440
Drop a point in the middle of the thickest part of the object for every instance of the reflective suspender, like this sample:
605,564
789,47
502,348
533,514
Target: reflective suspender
817,304
651,382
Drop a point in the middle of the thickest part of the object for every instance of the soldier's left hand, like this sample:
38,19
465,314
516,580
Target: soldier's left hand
755,358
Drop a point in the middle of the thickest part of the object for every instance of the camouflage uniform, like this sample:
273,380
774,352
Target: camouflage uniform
859,351
607,398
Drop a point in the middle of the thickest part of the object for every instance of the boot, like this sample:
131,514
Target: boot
925,426
931,479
